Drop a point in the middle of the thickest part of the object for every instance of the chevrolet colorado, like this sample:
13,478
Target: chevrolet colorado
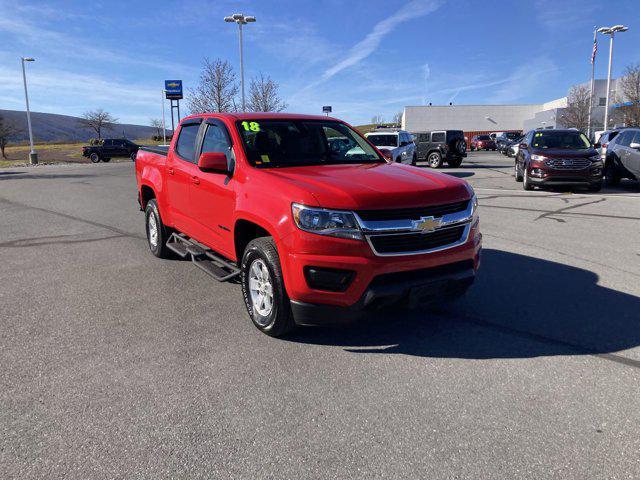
314,233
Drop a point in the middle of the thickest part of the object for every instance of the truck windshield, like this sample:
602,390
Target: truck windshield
288,143
562,140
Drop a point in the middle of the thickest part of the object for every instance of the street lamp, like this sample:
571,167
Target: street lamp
33,156
240,19
611,31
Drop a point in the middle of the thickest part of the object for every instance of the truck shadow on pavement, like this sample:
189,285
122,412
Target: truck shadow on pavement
519,307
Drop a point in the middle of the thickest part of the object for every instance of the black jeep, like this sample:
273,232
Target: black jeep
440,145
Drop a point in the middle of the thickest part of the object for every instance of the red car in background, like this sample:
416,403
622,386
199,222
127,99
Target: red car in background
483,142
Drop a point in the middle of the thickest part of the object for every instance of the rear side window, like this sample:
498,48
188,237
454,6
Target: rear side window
438,136
624,139
423,137
186,145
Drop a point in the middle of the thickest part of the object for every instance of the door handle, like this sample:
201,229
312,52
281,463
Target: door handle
170,171
196,180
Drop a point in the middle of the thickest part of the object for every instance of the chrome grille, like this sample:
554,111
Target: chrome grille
416,242
568,163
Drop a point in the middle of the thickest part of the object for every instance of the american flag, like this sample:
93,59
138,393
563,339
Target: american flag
595,49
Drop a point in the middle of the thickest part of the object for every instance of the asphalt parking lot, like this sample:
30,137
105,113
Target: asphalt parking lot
115,364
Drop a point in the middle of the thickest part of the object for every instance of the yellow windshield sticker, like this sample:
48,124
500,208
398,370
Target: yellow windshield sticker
251,126
265,158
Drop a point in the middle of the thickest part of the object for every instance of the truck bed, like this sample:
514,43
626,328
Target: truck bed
157,149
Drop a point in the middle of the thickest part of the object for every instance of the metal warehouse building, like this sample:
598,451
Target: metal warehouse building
476,119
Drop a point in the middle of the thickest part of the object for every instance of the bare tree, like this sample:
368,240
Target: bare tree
8,131
157,124
377,120
629,91
263,95
216,90
576,114
97,120
397,118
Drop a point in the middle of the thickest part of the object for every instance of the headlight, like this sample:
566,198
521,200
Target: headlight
538,158
335,223
474,205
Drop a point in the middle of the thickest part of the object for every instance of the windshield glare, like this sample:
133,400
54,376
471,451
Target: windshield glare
383,140
561,140
286,143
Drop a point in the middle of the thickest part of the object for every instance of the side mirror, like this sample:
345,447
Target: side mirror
523,145
635,145
213,162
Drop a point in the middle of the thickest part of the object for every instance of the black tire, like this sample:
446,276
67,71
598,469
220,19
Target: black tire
94,157
595,187
159,246
106,160
279,320
526,184
460,146
611,176
454,162
516,172
414,160
434,159
133,156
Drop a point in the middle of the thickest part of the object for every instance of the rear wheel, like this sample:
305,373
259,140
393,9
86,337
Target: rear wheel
434,160
106,160
263,288
94,157
455,162
157,233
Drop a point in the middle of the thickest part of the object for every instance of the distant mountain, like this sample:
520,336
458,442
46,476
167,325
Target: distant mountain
52,127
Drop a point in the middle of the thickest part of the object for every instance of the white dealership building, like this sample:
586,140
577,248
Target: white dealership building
475,119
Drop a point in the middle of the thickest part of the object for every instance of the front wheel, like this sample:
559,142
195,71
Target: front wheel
414,160
133,156
516,172
611,177
596,187
434,160
526,183
263,288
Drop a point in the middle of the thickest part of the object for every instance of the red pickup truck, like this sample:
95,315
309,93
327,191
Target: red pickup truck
309,214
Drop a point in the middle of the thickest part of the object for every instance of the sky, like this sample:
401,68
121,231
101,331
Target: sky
364,58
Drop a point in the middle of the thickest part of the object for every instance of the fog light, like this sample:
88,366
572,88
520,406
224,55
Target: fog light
330,279
596,171
537,172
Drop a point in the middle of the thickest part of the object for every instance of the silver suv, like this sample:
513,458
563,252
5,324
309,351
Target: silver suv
623,157
395,145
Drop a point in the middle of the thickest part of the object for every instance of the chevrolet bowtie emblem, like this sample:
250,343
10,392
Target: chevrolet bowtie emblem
426,224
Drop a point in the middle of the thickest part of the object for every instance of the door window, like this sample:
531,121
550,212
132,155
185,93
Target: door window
624,139
186,145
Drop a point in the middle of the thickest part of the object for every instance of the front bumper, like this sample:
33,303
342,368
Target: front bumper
417,287
541,175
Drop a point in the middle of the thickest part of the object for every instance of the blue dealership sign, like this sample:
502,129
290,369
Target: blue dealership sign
173,89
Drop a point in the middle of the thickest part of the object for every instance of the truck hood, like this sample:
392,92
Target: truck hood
374,186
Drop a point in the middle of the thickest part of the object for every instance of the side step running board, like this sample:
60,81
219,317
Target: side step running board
202,257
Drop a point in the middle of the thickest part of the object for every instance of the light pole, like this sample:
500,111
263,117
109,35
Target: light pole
164,128
611,31
240,19
33,156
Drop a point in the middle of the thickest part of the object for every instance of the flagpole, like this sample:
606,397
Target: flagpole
593,66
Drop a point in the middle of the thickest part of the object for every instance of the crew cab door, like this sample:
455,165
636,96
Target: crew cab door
212,194
181,169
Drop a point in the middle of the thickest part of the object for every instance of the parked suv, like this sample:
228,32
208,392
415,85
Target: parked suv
623,157
504,140
603,142
558,157
441,145
395,145
482,142
111,147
